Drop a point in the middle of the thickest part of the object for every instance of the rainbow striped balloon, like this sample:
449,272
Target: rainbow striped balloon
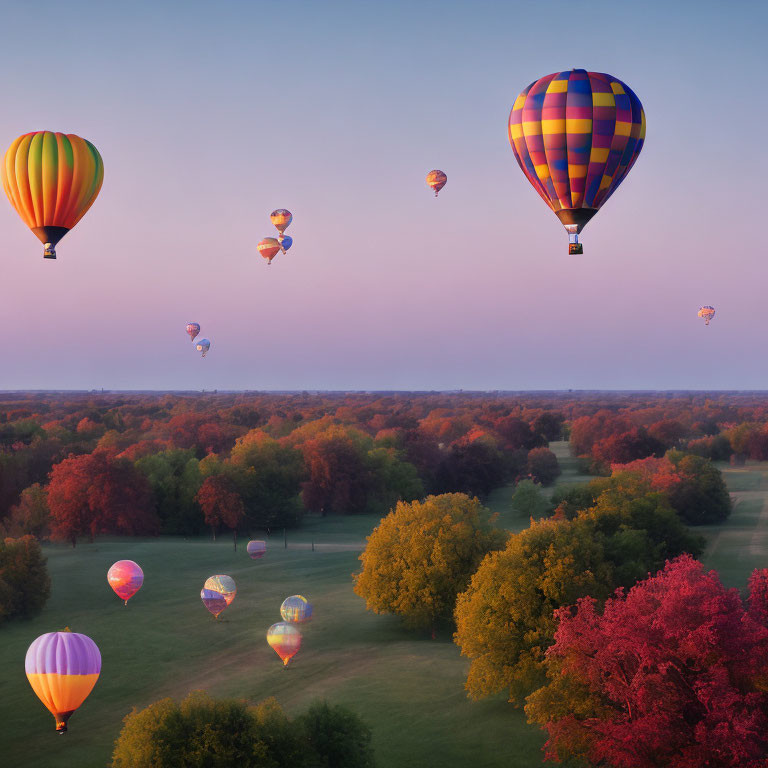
52,179
576,135
62,668
285,640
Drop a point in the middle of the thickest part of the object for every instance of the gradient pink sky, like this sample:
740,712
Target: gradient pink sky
209,116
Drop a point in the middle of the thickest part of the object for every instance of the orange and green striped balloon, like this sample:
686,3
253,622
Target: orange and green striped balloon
52,179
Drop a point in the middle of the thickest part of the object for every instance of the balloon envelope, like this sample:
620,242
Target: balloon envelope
269,247
296,609
436,180
193,329
256,549
203,346
62,668
286,241
707,313
213,601
125,577
224,585
52,179
281,218
576,135
285,640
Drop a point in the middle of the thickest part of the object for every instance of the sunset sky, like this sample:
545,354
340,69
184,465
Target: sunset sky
210,115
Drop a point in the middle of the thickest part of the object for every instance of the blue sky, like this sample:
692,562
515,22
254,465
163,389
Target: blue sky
208,116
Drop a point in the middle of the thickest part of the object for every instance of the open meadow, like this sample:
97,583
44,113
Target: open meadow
408,688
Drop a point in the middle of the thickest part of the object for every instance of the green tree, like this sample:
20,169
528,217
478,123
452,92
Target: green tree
336,737
423,554
701,497
24,582
528,501
203,732
174,476
31,516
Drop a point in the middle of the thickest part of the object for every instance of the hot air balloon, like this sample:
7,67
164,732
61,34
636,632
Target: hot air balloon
224,585
256,549
285,639
269,248
576,135
286,241
52,179
62,668
192,330
296,610
707,313
125,577
203,346
436,180
281,218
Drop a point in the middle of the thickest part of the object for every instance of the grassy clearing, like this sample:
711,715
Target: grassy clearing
408,688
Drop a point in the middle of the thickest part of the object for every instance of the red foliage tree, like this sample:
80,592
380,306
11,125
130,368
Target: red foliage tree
221,504
758,596
95,493
668,675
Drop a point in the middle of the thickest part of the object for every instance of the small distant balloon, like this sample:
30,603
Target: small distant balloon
203,346
436,180
125,577
269,247
217,593
285,640
296,609
62,668
256,549
193,329
281,218
707,313
286,241
224,585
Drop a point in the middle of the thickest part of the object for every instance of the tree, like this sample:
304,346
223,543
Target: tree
174,476
627,446
758,596
423,554
528,502
475,468
549,425
505,619
336,737
24,582
701,497
31,516
221,504
665,675
95,493
203,732
542,466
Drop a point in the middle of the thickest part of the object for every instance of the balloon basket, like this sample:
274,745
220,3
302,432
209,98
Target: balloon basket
575,249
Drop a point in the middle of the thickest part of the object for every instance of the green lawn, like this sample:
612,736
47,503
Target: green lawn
164,643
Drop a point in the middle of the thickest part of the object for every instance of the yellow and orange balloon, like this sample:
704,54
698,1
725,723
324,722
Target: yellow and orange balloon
52,179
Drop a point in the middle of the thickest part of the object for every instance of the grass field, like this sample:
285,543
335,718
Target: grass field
164,643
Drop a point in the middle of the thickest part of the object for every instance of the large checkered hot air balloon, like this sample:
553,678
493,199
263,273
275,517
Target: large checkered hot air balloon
576,135
51,179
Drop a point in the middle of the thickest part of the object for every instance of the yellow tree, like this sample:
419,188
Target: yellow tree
422,554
